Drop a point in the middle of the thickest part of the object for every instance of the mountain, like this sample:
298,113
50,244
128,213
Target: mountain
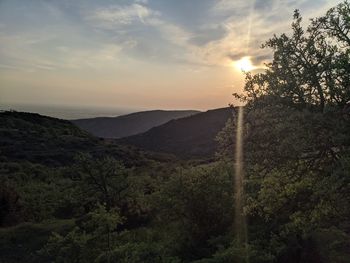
192,136
130,124
30,137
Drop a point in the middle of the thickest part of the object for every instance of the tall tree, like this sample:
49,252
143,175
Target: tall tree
310,67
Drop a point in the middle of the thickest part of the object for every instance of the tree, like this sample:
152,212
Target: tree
86,242
310,67
196,207
336,23
102,180
297,144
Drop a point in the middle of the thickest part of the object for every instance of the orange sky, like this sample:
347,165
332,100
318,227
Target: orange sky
137,53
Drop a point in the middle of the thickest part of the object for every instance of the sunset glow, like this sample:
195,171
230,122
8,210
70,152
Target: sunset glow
142,54
244,64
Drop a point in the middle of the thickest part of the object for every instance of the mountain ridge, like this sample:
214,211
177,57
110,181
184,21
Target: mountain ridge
192,136
54,142
129,124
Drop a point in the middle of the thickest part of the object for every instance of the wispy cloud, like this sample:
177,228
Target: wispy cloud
120,15
230,30
250,23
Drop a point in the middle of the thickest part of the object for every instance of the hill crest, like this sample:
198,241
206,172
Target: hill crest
130,124
192,136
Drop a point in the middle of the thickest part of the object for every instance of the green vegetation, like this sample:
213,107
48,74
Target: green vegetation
66,196
189,137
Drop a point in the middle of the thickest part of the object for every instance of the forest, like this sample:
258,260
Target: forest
67,196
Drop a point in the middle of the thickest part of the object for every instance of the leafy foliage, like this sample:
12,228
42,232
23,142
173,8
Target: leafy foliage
310,67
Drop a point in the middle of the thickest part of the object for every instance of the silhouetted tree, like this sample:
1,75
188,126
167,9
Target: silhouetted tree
309,67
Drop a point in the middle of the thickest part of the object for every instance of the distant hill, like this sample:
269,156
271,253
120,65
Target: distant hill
130,124
30,137
192,136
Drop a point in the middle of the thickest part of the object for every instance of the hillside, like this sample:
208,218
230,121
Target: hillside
42,162
130,124
192,136
49,141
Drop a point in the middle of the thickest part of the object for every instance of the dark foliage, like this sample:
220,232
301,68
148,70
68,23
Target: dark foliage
192,136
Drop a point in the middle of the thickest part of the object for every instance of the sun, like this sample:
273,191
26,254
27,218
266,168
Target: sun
244,64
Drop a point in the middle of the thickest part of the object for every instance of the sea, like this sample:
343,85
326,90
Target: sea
69,112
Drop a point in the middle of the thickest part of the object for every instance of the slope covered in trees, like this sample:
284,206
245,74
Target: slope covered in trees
104,201
192,136
54,142
130,124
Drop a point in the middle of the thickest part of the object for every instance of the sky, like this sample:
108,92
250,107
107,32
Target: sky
145,54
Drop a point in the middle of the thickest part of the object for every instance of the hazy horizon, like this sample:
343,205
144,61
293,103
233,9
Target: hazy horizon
71,112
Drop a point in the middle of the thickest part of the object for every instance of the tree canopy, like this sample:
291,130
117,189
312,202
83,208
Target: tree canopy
311,66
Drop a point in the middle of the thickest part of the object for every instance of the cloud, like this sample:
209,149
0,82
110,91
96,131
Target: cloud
141,1
144,25
249,23
227,6
118,15
159,36
208,34
97,58
98,34
264,5
30,52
